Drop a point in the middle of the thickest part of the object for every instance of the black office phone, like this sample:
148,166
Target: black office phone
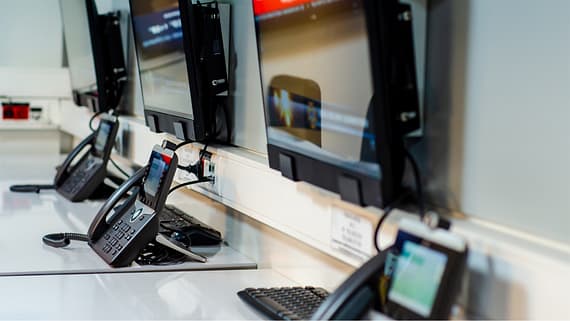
79,182
120,238
119,232
81,175
419,277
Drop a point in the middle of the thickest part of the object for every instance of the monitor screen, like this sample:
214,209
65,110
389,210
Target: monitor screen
317,81
78,46
417,277
161,56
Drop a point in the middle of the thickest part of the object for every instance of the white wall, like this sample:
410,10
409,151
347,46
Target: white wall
31,34
498,108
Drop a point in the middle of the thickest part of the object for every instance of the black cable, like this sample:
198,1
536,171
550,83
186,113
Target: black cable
122,171
418,182
387,211
203,180
203,151
420,198
188,142
229,129
63,239
93,118
157,254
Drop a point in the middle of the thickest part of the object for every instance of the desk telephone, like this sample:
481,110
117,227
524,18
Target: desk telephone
81,176
120,232
417,278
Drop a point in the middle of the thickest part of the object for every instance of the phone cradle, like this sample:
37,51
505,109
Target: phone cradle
179,247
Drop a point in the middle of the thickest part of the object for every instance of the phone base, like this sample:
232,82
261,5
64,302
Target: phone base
104,191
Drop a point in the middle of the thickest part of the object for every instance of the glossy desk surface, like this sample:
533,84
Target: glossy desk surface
198,295
25,218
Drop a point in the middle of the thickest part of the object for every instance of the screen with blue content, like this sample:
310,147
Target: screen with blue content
160,52
417,277
102,136
317,81
158,166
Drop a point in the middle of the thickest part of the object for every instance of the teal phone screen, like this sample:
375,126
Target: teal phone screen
417,278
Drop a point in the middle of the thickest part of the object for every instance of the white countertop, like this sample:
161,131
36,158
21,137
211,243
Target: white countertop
26,218
199,295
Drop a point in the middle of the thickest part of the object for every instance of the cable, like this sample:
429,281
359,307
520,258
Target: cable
63,239
119,168
203,151
158,254
97,114
388,209
203,180
418,181
188,142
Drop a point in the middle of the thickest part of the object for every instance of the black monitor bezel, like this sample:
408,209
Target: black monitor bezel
352,185
82,97
184,128
100,102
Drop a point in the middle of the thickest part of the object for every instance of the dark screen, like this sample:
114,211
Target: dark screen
161,57
78,46
316,78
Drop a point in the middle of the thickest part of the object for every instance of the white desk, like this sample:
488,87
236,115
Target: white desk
26,218
200,295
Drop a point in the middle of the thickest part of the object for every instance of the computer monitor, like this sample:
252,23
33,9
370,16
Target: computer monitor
171,81
95,55
331,117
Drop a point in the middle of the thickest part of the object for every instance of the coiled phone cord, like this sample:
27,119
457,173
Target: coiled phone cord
63,239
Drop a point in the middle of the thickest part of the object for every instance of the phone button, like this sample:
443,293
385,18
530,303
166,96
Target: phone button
135,214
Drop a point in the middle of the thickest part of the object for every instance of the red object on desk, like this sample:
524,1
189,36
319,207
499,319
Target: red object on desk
15,111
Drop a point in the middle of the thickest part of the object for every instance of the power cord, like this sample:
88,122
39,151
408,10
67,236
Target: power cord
92,119
122,171
198,181
196,168
390,208
418,182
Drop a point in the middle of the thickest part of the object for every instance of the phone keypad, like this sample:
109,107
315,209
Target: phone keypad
81,175
121,234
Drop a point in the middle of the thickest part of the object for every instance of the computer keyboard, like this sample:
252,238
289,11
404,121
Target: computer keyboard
198,232
296,303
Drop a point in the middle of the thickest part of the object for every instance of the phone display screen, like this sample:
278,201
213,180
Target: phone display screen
159,164
417,277
102,137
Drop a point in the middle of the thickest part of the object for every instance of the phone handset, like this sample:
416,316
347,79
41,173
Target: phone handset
64,169
100,223
356,295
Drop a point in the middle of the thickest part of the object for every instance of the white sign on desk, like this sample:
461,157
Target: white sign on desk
351,234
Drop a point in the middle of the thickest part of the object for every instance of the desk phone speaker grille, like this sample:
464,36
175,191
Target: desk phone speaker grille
296,303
